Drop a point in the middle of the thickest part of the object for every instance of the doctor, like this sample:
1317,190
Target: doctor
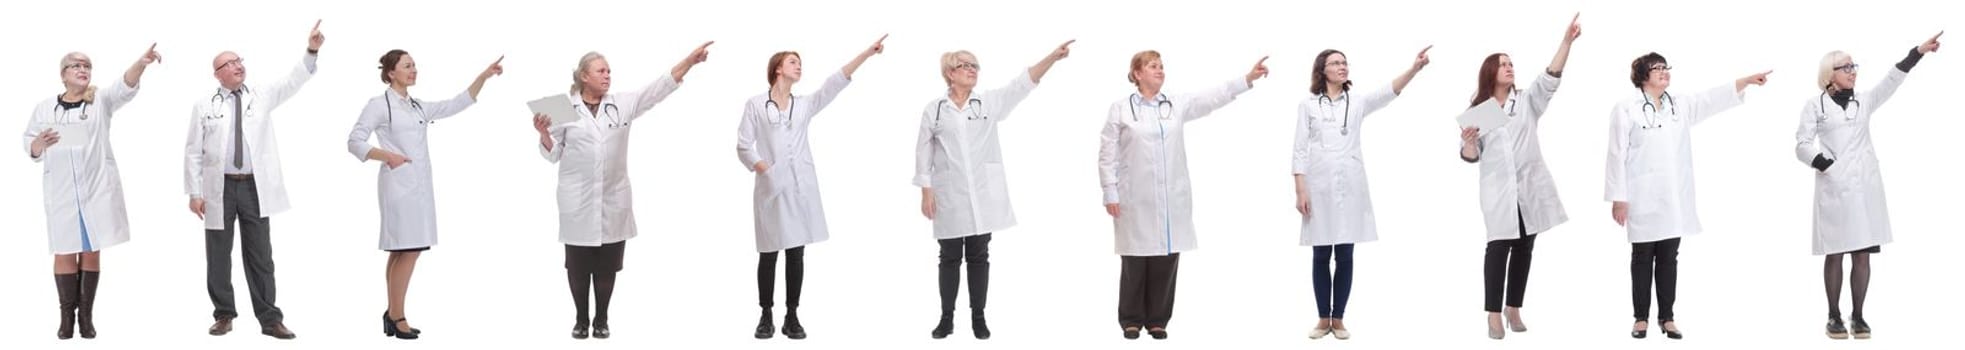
957,159
1518,195
408,200
1142,162
1851,216
1648,178
80,182
596,202
1331,192
232,174
785,207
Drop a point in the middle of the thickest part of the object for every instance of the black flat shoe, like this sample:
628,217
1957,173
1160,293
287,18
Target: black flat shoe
1158,334
943,329
580,331
1132,333
792,329
1860,328
601,332
1836,330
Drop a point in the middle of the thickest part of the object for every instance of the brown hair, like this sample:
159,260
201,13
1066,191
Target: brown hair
777,60
389,61
1489,68
1139,61
1641,68
1317,79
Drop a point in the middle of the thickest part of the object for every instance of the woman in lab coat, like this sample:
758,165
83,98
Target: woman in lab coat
406,192
1142,162
596,202
771,142
1330,178
69,135
959,167
1648,178
1851,217
1518,195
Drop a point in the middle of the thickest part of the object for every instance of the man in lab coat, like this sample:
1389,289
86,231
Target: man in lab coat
232,172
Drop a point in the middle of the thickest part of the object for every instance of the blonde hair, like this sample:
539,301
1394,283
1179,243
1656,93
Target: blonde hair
1826,77
1139,61
88,93
586,61
951,59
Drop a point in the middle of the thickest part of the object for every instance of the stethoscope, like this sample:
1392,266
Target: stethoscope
84,106
1821,105
1166,107
768,103
217,110
975,104
1651,110
414,104
1325,99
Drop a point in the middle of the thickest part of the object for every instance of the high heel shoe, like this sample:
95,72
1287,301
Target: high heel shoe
1637,333
1671,331
389,328
1515,321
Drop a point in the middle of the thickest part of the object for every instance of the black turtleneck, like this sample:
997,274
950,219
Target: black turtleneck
66,105
1842,97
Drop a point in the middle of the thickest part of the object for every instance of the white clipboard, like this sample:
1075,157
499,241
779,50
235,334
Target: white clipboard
73,136
555,107
1485,116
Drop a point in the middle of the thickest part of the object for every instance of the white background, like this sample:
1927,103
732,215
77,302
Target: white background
496,278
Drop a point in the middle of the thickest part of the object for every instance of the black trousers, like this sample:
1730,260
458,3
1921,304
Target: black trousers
1657,259
767,264
1508,260
1146,290
975,249
241,208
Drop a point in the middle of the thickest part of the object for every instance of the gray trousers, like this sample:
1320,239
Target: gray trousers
242,208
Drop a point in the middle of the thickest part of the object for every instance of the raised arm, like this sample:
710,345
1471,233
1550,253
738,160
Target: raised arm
1206,102
1718,99
1043,66
278,93
1888,87
135,74
699,55
1562,53
854,65
1399,84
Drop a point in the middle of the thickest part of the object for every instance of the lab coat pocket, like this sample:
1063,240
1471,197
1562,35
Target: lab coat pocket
777,177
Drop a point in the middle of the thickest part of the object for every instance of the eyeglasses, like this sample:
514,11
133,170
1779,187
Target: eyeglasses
234,62
1662,67
79,65
1847,68
968,65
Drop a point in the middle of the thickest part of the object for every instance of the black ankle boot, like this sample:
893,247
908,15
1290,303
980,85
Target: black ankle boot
85,325
980,328
764,327
946,327
792,328
69,287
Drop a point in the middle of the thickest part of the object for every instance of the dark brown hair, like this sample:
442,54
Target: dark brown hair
1641,68
389,61
1317,79
1489,68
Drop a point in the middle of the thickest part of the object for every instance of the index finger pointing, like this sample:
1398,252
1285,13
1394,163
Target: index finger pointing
1067,43
1264,59
883,38
705,45
1423,51
317,25
501,59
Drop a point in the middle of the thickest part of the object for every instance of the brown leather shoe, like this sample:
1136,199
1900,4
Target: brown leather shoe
224,325
277,330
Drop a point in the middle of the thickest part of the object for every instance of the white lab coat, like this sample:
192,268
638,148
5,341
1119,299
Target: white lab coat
1333,167
958,157
1516,187
208,145
80,183
785,205
1649,165
1850,211
406,194
1142,165
596,202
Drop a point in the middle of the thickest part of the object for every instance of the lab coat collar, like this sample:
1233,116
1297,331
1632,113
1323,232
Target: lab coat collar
1344,96
1142,101
949,98
243,90
579,101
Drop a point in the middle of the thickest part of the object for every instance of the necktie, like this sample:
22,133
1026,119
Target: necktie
238,130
